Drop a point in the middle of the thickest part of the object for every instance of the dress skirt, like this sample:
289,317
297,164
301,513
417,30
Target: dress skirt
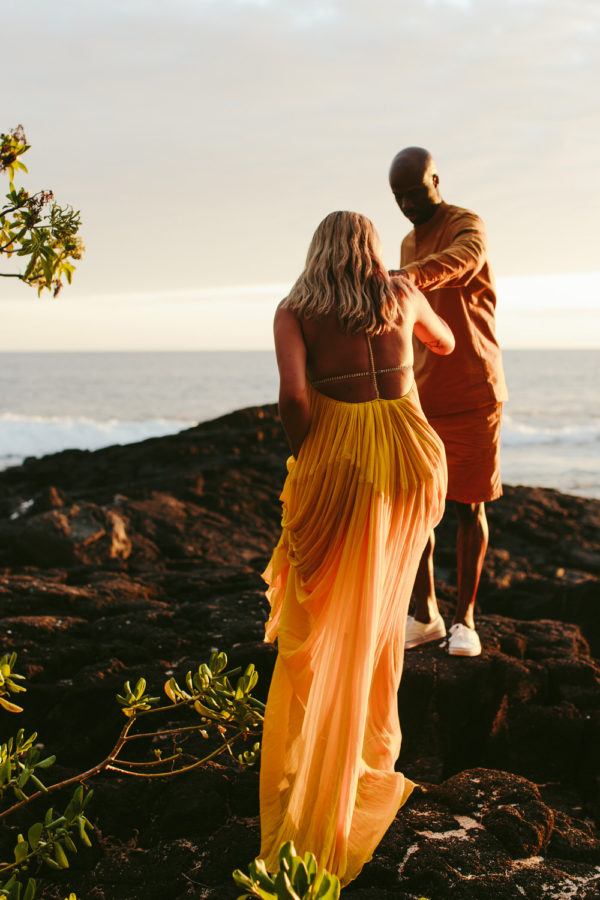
359,502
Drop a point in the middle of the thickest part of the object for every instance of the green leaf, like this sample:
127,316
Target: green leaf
241,879
69,843
10,707
21,849
34,833
82,832
286,853
48,270
258,872
310,862
327,887
300,876
23,778
284,889
30,890
60,856
5,770
39,784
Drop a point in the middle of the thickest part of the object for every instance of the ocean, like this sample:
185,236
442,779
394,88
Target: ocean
53,401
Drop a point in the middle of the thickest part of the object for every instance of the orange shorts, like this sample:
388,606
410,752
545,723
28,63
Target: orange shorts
472,443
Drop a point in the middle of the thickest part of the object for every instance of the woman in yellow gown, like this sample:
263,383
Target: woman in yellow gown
365,486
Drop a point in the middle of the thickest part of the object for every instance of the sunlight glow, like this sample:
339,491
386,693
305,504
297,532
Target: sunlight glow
560,311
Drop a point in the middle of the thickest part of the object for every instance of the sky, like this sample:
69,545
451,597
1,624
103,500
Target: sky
203,141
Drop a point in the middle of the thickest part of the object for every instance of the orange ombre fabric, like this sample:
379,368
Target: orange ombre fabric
358,505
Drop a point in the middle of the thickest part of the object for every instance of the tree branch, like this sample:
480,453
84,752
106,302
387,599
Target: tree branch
194,765
151,734
14,240
6,210
83,776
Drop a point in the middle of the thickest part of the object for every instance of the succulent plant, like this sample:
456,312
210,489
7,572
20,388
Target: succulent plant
298,878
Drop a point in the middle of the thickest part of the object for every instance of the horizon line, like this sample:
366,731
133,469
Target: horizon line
528,349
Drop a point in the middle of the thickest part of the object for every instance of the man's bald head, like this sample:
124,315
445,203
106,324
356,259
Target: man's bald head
414,182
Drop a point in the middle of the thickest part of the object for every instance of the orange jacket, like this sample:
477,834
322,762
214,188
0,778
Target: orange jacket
446,258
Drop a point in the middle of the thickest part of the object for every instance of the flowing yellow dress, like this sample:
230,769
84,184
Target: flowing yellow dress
359,502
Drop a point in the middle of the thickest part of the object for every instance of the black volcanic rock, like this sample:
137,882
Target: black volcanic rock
137,560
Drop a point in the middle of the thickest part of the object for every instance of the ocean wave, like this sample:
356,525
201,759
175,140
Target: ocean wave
22,436
517,434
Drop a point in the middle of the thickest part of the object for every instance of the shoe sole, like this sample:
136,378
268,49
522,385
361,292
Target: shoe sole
464,652
426,640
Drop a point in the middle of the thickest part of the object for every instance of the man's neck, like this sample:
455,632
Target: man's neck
431,213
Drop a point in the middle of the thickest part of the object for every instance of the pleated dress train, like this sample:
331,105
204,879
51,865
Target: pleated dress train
358,505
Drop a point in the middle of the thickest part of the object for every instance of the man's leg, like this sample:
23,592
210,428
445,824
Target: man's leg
426,608
471,546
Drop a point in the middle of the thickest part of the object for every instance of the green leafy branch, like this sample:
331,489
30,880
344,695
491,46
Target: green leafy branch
34,228
226,712
48,842
19,760
298,878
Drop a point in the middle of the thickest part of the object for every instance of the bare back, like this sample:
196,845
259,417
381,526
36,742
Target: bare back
340,364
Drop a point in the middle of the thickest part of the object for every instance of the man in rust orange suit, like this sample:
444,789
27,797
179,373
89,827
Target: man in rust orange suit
445,256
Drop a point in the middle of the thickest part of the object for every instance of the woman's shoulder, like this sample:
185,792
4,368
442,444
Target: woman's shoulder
407,294
404,304
283,313
286,321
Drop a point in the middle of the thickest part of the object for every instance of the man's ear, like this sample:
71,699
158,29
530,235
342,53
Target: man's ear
436,179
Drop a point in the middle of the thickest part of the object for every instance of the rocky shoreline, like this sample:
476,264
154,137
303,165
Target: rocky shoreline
137,560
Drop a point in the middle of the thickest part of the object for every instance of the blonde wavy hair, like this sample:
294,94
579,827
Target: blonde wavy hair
344,274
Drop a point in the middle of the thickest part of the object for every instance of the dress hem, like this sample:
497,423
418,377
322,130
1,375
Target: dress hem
409,787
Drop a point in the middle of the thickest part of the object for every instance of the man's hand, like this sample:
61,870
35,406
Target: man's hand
402,274
403,285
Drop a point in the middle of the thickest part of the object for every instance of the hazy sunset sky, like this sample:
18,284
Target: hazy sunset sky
203,140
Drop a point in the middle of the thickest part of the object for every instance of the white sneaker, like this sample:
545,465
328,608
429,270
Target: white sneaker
422,632
462,641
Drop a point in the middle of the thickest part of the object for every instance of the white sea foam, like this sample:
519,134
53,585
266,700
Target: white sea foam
519,433
22,436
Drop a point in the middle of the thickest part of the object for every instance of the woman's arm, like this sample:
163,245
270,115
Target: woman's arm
430,328
293,391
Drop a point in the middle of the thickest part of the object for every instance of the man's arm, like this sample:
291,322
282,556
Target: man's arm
456,264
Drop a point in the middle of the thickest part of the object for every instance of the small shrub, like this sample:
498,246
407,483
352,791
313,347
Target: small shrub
223,713
298,878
